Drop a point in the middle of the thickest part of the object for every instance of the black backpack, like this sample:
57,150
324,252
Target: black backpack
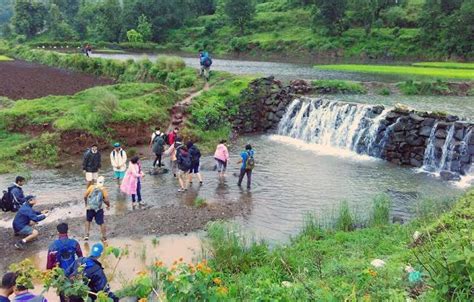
184,159
7,202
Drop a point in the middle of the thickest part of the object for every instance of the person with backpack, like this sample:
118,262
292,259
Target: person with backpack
172,136
7,286
22,294
205,62
248,163
221,156
91,164
195,154
158,147
91,269
131,184
118,159
63,252
94,198
24,219
14,197
184,162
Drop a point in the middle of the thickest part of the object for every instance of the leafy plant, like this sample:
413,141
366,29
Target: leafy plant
345,219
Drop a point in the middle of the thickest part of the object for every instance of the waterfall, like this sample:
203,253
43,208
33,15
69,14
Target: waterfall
329,123
429,161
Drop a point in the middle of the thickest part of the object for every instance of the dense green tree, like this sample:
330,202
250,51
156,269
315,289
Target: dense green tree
6,11
240,12
68,8
134,36
144,28
30,17
330,14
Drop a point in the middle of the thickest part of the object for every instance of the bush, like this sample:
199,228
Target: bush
345,219
381,211
411,87
338,86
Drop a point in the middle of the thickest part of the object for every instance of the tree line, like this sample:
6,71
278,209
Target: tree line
445,25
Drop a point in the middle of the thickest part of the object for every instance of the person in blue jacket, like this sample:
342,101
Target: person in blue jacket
93,271
247,161
16,192
24,219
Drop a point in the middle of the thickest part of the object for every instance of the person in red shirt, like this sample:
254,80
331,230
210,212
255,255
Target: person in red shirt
172,136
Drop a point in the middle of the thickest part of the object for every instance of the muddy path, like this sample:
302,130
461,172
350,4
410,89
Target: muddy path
179,110
170,219
22,80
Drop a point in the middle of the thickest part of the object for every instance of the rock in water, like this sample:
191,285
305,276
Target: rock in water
448,175
158,171
377,263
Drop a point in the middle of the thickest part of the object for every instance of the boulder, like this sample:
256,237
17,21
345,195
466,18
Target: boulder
449,175
416,118
452,118
429,122
413,140
415,163
459,134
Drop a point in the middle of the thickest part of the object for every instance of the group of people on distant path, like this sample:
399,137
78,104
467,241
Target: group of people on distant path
184,164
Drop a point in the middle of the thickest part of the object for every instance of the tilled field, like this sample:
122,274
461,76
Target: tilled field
23,80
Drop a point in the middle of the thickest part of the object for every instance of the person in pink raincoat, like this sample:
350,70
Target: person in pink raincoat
131,184
221,156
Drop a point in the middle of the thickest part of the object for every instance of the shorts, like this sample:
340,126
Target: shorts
194,168
221,165
119,174
26,231
90,176
98,215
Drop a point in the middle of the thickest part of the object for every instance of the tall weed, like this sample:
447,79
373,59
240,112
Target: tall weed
345,219
381,211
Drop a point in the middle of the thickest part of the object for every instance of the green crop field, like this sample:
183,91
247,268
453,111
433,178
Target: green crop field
449,73
5,58
452,65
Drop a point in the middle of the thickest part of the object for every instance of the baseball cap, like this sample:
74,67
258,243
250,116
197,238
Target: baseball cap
116,145
97,250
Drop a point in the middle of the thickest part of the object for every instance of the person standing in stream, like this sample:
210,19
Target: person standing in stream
118,159
91,164
248,163
95,197
131,184
221,156
158,147
195,154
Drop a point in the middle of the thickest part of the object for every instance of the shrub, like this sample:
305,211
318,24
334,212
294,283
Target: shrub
134,36
200,202
381,211
338,86
170,63
107,106
345,219
384,91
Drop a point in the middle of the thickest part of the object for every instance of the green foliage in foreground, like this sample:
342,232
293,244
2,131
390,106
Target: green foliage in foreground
452,65
450,73
5,58
338,86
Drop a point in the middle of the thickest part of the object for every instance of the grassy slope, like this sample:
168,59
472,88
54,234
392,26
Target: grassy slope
90,111
278,28
404,70
326,265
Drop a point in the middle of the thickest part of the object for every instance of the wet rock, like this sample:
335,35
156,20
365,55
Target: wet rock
416,118
413,140
397,219
415,163
459,134
452,118
429,122
449,175
425,131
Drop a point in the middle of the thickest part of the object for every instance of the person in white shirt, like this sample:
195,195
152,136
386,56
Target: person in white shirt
118,159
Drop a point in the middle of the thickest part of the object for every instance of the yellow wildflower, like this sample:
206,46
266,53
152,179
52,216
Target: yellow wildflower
222,290
171,278
217,281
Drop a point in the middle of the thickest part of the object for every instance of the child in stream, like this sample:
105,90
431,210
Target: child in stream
131,184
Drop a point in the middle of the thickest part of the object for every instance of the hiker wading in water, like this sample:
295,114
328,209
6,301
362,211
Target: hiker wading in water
95,197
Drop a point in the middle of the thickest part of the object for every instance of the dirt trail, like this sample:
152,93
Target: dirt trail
178,112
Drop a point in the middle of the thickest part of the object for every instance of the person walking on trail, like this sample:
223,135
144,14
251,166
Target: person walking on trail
14,197
91,164
172,136
91,269
118,159
248,163
131,184
94,198
24,219
88,50
158,147
184,164
195,154
63,252
7,286
205,61
221,156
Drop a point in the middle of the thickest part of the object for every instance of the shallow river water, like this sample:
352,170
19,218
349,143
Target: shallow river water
292,178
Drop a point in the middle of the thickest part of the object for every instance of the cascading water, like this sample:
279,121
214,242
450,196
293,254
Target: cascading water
329,123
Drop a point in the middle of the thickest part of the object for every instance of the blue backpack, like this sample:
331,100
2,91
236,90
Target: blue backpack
66,252
206,60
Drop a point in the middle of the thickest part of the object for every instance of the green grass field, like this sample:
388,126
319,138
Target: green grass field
447,73
5,58
451,65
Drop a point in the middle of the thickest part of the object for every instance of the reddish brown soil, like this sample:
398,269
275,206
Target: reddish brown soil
22,80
